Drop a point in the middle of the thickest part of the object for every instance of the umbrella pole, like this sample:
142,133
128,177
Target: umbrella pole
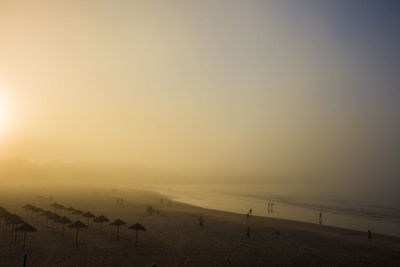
101,227
117,232
63,230
23,246
15,234
77,233
136,238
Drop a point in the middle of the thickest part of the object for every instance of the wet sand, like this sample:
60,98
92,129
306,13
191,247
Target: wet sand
174,237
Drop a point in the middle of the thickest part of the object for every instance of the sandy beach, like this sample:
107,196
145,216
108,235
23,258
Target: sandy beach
174,237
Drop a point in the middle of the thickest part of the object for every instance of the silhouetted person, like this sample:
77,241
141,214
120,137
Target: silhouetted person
251,211
248,231
320,217
201,221
369,236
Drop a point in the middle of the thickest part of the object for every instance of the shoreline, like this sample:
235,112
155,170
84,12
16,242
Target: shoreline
289,211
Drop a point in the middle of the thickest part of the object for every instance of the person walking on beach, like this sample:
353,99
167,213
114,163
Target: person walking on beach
369,236
251,211
320,217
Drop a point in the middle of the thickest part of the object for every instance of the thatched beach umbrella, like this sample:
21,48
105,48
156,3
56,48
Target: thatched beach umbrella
101,219
54,217
28,208
118,223
3,214
64,220
138,227
14,220
36,210
25,228
70,209
54,205
40,212
77,213
47,213
77,225
89,216
61,208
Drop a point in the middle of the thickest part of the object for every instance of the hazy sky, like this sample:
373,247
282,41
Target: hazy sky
295,89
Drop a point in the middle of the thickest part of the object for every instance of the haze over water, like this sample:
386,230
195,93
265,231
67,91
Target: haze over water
382,215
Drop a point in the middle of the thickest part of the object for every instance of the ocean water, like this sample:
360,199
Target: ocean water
380,215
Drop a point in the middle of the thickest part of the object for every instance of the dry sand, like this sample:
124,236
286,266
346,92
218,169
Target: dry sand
174,238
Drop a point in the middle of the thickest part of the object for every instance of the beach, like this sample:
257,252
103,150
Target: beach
173,236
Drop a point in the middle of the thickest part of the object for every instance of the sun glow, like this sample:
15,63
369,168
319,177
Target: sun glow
2,115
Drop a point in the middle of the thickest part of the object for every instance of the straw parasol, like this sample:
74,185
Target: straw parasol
29,208
14,220
89,216
138,227
77,225
101,219
77,212
25,228
118,223
70,209
54,217
64,220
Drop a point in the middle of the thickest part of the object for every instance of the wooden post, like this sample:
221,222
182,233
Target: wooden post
76,240
23,246
136,238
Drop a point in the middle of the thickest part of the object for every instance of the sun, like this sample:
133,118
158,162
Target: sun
3,116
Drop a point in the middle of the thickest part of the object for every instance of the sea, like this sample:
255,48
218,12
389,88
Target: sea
380,215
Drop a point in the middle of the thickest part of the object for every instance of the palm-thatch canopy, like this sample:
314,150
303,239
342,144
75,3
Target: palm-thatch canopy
3,213
47,213
29,207
77,225
54,217
70,209
77,212
101,219
64,220
88,215
14,219
118,222
39,210
26,227
137,227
